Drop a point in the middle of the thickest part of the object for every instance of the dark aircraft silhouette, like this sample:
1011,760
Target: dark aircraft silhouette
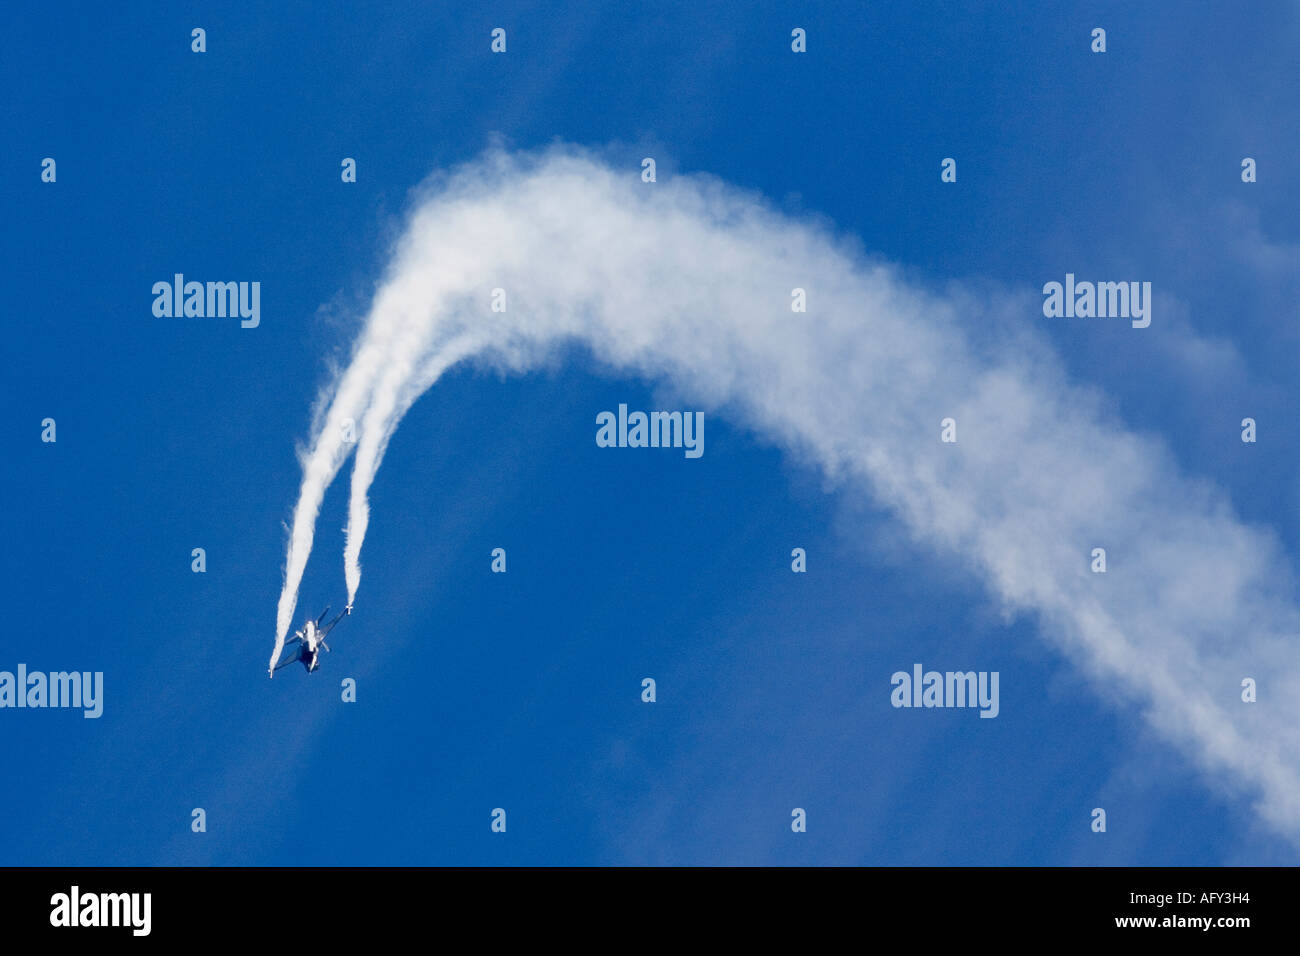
308,642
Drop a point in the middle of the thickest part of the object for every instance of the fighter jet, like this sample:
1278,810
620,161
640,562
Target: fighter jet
309,640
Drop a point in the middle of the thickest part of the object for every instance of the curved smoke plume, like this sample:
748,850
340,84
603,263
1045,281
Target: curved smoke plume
689,281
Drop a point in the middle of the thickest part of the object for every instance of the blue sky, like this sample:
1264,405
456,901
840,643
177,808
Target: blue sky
522,690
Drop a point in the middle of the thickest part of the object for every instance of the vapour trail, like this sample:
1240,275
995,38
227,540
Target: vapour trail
688,282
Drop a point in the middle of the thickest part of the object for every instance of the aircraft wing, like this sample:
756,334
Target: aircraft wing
279,649
330,626
294,656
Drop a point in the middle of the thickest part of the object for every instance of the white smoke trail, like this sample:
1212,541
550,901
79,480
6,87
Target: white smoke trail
319,466
390,401
689,281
